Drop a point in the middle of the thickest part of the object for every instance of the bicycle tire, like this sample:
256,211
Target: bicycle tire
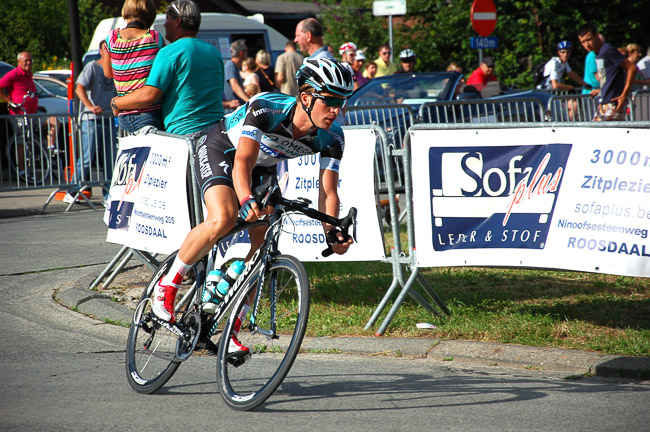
35,168
153,352
246,383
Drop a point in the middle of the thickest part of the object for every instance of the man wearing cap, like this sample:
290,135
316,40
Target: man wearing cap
483,74
384,65
348,53
357,67
407,58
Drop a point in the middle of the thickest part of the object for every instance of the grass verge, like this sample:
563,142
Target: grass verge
594,312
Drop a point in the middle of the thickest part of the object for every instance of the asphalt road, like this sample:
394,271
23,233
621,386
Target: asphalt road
61,370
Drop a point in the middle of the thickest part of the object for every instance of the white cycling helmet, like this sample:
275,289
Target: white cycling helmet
407,54
324,74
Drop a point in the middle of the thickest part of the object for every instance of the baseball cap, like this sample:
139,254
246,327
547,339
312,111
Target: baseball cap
487,61
361,55
348,46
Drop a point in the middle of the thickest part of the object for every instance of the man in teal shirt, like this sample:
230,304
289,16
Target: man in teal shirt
187,76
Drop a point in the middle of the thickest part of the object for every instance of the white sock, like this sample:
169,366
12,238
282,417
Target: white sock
176,273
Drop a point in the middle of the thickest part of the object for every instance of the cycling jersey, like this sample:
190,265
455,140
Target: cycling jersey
267,119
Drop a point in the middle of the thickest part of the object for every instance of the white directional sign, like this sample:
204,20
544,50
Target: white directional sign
389,7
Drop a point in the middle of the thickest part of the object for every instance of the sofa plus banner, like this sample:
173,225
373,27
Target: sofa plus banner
567,198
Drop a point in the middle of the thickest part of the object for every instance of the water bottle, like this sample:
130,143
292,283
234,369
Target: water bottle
209,297
220,284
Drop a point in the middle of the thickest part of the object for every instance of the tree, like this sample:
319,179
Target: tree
528,31
42,28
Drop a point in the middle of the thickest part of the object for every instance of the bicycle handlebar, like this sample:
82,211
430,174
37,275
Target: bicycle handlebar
268,194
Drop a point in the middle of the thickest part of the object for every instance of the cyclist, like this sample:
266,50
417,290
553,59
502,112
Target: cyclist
246,145
557,67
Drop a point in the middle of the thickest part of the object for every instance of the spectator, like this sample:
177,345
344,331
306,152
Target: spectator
384,65
643,66
248,75
615,73
265,72
132,51
98,133
357,67
251,89
190,102
634,57
407,59
14,85
17,82
286,67
482,74
591,70
348,53
557,67
457,67
309,37
370,70
234,93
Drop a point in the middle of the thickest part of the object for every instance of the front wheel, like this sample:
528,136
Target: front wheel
154,351
272,329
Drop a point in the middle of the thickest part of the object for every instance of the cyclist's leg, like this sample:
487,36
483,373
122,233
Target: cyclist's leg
221,202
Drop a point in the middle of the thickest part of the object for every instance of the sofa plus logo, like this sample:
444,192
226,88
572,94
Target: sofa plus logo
494,197
129,170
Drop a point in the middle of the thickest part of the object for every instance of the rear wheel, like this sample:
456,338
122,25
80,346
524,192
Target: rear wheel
273,332
154,351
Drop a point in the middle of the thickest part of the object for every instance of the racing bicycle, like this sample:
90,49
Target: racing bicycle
273,287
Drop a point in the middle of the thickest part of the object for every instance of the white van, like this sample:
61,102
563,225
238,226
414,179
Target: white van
219,29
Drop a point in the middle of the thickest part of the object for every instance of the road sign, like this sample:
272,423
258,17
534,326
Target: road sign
484,17
389,7
480,42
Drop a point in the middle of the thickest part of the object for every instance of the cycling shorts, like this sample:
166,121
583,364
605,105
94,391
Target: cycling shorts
215,157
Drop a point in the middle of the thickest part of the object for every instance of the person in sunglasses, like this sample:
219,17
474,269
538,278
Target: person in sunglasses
244,148
557,67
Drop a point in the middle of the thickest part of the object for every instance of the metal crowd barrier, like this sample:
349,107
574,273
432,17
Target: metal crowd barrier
572,108
506,110
42,151
640,105
395,121
35,151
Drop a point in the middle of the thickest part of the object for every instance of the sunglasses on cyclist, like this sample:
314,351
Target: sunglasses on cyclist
330,101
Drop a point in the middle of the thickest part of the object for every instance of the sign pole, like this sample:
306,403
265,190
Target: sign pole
390,36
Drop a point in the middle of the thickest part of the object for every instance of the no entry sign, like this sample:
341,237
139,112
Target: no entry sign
484,17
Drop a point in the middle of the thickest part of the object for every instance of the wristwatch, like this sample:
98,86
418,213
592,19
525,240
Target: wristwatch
113,105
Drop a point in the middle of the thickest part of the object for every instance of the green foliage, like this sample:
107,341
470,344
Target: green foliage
43,28
528,31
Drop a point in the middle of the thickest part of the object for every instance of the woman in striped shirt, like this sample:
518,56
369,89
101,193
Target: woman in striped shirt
132,50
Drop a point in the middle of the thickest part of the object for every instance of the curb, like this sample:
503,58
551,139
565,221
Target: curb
100,306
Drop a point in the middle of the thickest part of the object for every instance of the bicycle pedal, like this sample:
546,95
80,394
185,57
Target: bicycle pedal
239,358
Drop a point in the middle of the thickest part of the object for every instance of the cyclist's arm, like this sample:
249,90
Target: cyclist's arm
329,202
245,159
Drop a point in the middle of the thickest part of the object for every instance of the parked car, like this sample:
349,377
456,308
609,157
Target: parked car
59,74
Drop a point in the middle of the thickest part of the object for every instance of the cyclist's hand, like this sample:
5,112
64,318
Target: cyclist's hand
337,241
249,210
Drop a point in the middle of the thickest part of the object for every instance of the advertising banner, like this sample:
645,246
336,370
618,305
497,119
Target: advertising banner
148,201
304,237
564,198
